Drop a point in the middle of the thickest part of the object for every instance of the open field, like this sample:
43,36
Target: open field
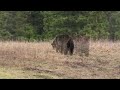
37,60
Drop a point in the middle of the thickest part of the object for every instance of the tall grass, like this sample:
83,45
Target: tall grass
39,57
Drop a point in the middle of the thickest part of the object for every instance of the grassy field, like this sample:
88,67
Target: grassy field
37,60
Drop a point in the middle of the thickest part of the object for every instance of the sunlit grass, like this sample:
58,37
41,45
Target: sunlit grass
39,60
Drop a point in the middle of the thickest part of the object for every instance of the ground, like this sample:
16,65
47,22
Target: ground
37,60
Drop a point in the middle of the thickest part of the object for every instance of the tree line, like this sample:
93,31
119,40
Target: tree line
45,25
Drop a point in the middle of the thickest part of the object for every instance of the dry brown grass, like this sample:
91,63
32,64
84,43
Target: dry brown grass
39,60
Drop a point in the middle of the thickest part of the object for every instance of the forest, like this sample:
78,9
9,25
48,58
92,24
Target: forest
45,25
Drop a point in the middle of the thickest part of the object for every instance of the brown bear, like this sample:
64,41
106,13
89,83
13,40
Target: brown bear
82,45
63,44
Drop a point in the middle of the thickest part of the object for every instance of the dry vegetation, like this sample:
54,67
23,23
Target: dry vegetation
39,60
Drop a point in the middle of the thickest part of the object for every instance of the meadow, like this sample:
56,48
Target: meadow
37,60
